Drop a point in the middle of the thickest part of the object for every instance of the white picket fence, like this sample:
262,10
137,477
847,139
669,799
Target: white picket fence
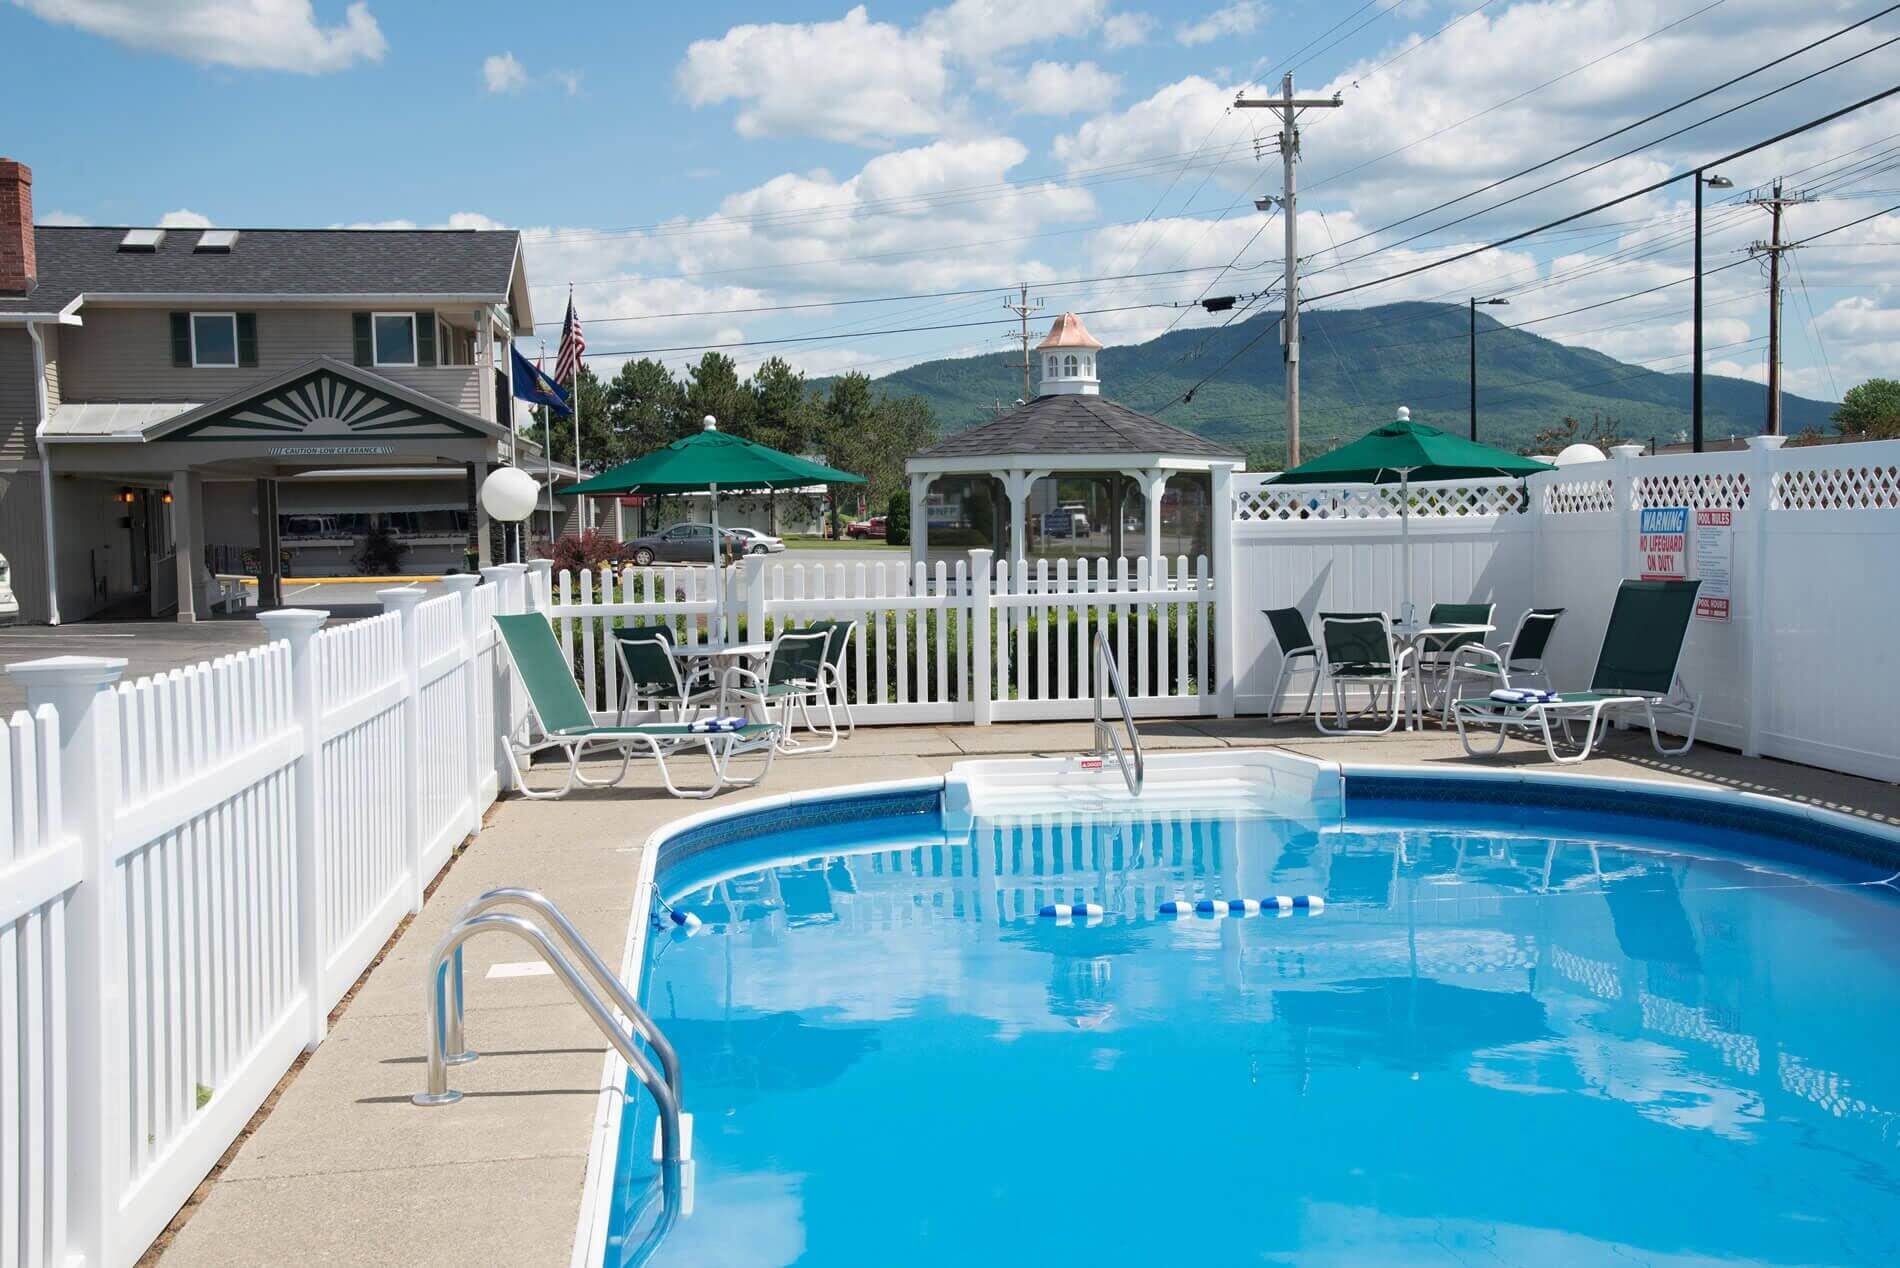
933,642
194,869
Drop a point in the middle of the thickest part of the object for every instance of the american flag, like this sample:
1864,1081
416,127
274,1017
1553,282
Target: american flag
573,343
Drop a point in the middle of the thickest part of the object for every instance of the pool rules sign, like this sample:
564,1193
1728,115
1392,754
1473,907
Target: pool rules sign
1663,544
1714,563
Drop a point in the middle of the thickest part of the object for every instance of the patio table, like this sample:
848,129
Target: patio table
716,656
1415,634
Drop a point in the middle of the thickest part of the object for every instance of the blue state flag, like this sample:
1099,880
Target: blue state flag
534,385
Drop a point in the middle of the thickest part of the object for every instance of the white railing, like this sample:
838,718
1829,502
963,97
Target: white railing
194,869
935,642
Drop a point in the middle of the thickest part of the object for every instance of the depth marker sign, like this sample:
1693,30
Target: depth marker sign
1663,543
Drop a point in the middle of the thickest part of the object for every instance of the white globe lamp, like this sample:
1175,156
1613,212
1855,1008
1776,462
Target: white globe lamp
509,495
1578,453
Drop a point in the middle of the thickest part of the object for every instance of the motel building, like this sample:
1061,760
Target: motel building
178,406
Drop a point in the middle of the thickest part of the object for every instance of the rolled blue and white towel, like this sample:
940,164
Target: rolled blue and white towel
1524,695
710,726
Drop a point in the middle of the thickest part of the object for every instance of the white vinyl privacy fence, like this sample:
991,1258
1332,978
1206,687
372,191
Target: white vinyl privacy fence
194,869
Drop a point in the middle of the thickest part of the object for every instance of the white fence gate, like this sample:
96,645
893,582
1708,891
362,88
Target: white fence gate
194,868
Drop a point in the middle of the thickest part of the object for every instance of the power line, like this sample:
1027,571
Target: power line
1650,118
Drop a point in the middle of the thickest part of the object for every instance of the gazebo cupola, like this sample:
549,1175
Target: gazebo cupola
1068,359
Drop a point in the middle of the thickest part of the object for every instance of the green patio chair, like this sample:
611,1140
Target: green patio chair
793,677
1518,661
558,715
1435,654
1296,645
837,695
650,674
1638,667
1358,650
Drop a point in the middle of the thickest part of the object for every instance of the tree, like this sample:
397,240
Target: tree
784,414
597,433
713,387
871,435
1601,432
646,408
897,519
1870,409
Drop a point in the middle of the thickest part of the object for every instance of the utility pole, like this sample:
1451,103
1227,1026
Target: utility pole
1773,249
1022,306
1289,107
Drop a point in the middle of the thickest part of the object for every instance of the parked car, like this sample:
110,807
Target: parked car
756,543
683,543
873,527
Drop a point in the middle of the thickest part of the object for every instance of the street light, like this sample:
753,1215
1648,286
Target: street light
1475,301
1713,182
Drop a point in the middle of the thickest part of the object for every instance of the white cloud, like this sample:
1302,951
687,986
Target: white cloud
501,72
1055,88
1125,30
852,80
1239,18
253,34
570,81
184,218
1174,120
974,29
57,217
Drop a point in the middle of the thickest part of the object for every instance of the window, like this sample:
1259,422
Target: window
1068,365
395,335
1052,367
1088,365
214,341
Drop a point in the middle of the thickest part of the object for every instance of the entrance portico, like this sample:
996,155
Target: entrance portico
322,415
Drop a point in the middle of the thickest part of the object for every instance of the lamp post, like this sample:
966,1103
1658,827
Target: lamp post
1695,410
509,495
1475,301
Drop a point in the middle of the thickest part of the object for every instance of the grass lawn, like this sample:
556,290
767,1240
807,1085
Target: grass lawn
845,543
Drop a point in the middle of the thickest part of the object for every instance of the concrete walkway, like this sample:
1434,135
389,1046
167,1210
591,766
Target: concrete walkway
344,1170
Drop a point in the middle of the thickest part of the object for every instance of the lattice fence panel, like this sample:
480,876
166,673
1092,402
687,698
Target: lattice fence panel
1272,503
1858,488
1703,490
1579,497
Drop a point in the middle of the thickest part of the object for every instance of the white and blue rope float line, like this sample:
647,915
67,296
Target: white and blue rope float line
1242,906
1071,911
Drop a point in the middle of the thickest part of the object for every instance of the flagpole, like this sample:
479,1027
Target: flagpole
547,453
575,404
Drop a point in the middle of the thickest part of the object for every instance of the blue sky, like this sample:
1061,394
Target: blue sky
695,159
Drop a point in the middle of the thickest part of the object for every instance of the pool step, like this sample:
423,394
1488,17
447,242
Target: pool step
1228,781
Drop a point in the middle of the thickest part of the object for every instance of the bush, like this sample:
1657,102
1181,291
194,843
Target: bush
572,552
381,553
897,520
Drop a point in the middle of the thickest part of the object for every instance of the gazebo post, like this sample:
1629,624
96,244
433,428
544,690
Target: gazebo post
919,522
1018,484
1153,484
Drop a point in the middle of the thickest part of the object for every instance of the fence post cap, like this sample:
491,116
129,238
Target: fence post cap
69,671
1768,443
401,598
292,623
539,565
460,582
1626,451
512,570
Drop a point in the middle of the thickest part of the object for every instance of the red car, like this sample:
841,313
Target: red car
873,527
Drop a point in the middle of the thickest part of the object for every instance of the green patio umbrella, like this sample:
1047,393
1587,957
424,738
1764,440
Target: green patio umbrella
712,461
1403,451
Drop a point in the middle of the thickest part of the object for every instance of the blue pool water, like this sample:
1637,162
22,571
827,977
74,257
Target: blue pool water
1606,1031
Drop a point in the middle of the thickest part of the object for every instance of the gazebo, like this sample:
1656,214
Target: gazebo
1067,475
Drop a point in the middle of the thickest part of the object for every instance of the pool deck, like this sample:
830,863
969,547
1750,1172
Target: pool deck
344,1170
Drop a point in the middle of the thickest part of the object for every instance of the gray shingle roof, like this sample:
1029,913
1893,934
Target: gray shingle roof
1077,423
74,261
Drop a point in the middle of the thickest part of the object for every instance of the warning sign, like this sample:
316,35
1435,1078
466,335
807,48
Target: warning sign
1714,563
1662,543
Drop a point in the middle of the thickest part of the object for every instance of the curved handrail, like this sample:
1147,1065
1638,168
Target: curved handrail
536,901
434,991
1105,739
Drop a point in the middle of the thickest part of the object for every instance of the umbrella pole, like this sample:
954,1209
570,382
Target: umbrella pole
1405,536
719,570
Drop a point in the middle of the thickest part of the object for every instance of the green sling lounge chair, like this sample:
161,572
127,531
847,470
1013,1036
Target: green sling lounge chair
1638,668
559,715
794,676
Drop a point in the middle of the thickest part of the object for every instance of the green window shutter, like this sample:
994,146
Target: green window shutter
365,350
425,338
181,339
247,339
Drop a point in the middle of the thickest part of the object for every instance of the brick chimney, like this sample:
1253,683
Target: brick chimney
19,272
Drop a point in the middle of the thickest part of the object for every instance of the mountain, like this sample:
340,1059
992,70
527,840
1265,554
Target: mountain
1358,366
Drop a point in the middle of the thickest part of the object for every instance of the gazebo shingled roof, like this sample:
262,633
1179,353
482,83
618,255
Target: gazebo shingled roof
1057,425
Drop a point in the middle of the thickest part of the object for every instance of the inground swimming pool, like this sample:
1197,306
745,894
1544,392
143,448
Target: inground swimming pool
1534,1021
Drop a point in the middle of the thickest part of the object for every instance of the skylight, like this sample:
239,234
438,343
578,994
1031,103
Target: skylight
141,239
216,240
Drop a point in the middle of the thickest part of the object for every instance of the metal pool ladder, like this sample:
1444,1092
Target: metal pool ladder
443,989
1106,742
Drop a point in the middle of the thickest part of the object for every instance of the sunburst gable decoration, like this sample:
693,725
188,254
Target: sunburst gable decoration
325,403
